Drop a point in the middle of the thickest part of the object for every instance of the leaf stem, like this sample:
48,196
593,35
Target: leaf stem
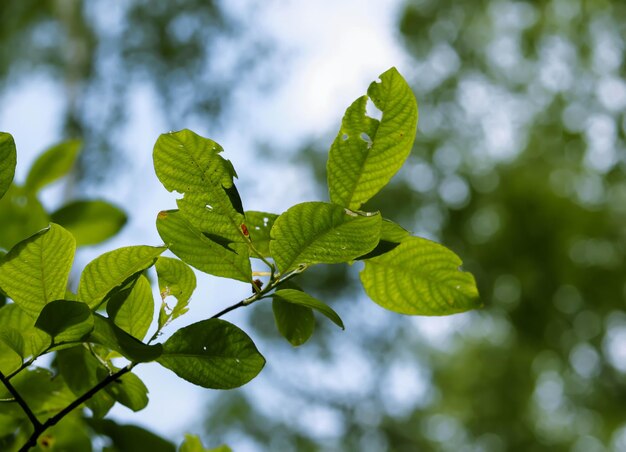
21,402
40,428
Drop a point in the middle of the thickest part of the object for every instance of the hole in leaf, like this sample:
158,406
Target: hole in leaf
344,137
372,111
365,137
209,207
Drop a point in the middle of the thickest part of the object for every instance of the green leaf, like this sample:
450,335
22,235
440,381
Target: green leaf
80,369
259,225
129,390
420,277
65,320
44,394
130,437
133,310
90,222
192,443
200,251
189,163
391,235
176,279
366,152
106,333
295,323
53,164
111,270
318,232
8,161
10,357
300,298
22,215
35,341
35,272
213,354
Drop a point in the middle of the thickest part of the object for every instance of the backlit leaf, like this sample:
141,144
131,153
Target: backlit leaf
128,390
420,277
366,152
113,268
35,341
22,216
212,353
188,243
318,232
90,222
35,272
178,280
133,310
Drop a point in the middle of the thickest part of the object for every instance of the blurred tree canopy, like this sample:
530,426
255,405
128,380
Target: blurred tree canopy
519,167
100,52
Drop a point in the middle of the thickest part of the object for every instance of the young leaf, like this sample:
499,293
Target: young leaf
196,249
318,232
213,354
53,164
35,341
8,161
129,390
300,298
90,222
259,225
36,270
420,277
65,320
111,269
132,310
80,369
106,333
176,279
366,152
295,323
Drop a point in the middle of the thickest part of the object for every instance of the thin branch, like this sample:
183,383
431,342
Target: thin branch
40,428
21,402
230,308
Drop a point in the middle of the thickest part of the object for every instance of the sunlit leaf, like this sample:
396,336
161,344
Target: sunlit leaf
300,298
35,341
212,353
295,323
35,272
53,164
113,268
366,152
200,251
420,277
318,232
90,222
65,320
133,310
8,161
391,235
178,280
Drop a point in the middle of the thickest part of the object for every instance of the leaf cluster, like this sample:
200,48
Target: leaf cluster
113,309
